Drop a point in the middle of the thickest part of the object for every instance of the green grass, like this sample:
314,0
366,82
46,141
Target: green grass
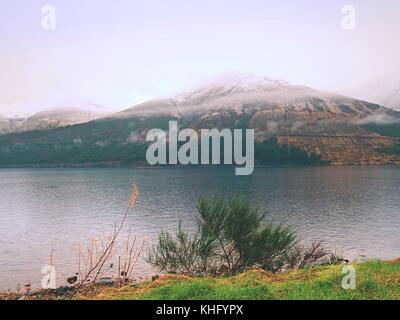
375,280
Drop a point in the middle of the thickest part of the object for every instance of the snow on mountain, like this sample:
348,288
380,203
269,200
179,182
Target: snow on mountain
59,117
49,119
330,126
5,125
230,83
8,124
229,90
255,95
334,127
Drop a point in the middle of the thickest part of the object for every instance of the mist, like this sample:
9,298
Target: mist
118,55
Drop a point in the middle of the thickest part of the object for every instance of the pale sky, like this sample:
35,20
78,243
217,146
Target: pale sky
118,53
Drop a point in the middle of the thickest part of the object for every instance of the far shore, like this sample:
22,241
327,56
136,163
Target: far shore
145,166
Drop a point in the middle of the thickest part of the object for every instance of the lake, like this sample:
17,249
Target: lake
353,210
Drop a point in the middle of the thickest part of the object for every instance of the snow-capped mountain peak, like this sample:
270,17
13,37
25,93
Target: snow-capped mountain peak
245,81
264,100
231,83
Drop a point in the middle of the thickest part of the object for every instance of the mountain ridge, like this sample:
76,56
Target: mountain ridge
292,123
275,106
48,119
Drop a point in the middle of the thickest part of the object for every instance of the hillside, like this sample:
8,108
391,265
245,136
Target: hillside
5,125
8,125
293,125
55,118
48,119
271,107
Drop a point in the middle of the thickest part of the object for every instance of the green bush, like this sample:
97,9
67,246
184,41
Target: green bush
231,237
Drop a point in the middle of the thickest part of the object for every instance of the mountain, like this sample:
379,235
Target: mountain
271,107
55,118
49,119
4,125
227,91
383,90
293,125
8,125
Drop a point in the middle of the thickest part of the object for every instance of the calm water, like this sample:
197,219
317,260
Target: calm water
354,210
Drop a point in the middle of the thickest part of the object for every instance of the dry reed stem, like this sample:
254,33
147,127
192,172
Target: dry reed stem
103,257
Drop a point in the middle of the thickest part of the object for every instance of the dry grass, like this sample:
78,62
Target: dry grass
98,253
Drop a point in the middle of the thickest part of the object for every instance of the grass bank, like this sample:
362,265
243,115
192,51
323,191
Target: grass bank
375,280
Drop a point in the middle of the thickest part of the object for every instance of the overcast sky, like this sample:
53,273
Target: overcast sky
118,53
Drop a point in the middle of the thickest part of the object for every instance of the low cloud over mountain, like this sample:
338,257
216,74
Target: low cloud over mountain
292,123
384,90
271,107
49,119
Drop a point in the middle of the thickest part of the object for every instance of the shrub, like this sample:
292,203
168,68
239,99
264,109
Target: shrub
180,253
231,237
